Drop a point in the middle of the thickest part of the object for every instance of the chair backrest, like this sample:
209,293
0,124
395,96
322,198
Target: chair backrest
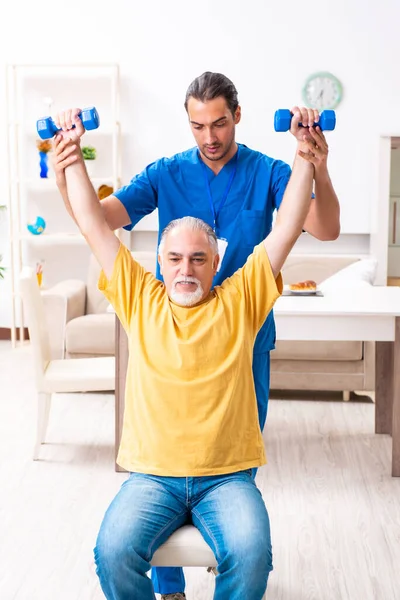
36,320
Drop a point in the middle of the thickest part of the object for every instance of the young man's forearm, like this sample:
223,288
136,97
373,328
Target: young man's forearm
323,220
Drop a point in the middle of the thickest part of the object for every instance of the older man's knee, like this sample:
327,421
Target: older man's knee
256,554
113,551
249,555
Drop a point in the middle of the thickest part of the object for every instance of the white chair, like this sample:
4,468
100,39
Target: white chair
55,375
185,548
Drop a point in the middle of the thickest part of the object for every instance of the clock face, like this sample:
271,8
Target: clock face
322,90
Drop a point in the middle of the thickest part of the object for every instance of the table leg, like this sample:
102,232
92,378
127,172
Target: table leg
396,404
121,365
383,387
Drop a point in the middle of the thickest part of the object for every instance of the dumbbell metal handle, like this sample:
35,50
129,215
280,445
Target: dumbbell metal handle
46,127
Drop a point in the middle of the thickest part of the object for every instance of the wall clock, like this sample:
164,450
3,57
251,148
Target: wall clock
322,90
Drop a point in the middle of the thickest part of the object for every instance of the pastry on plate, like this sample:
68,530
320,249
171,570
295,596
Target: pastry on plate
306,286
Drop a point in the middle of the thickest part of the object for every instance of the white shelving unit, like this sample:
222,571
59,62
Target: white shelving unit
34,91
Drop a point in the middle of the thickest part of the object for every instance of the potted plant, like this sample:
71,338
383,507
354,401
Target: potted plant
89,155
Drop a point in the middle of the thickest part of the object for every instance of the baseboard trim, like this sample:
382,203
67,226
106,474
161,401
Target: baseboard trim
5,333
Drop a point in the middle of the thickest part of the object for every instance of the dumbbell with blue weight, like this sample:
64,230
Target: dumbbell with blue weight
283,118
46,127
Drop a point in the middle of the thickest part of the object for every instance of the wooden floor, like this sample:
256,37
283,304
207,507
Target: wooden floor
334,508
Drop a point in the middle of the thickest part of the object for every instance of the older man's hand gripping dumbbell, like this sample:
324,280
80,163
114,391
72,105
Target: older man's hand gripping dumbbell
307,125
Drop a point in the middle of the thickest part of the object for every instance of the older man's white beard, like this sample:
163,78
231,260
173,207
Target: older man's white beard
186,298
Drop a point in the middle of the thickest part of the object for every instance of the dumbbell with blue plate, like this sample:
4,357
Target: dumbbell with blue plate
283,118
46,127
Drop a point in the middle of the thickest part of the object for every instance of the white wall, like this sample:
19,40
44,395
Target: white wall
267,49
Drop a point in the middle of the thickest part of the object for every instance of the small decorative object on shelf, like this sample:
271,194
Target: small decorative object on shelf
39,272
38,227
44,147
104,191
89,155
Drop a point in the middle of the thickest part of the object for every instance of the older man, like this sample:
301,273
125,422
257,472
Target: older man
190,372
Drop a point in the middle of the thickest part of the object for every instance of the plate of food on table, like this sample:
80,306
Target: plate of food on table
303,288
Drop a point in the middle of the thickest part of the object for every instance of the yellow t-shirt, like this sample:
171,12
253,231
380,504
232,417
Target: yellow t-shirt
190,404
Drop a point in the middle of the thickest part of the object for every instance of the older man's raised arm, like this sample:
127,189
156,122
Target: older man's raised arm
85,206
293,210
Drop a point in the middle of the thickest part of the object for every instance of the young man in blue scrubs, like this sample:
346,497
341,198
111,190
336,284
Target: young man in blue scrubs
235,190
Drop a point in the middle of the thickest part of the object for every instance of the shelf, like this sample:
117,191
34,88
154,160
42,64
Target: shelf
49,183
54,238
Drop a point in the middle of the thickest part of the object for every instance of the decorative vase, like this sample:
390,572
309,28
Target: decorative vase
44,167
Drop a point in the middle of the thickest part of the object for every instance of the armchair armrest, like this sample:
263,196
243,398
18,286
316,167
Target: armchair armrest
74,291
63,302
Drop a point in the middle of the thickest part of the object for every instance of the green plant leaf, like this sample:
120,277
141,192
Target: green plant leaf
88,152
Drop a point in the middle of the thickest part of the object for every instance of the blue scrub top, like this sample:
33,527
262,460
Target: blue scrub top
177,187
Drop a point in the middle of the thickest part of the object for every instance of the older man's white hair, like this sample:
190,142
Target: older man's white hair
195,225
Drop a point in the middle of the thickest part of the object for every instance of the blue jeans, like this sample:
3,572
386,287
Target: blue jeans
167,580
228,510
